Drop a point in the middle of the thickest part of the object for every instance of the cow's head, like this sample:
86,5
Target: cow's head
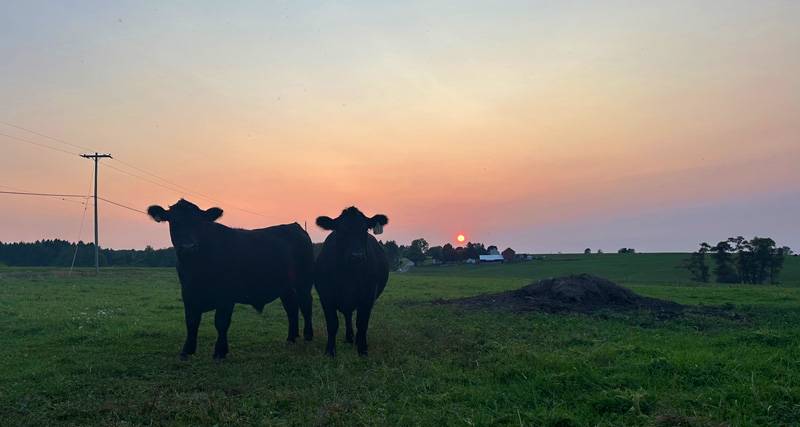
184,218
351,232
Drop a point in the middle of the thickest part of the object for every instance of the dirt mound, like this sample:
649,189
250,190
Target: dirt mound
581,293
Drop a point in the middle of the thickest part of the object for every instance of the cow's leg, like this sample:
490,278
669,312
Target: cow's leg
332,322
222,321
193,317
362,323
289,301
305,307
348,327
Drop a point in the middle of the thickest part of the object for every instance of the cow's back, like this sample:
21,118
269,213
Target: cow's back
301,250
248,266
288,248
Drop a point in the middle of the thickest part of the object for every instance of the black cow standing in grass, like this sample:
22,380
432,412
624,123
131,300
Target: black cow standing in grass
219,267
350,273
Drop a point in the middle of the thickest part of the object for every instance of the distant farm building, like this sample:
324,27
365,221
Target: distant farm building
508,254
493,256
490,258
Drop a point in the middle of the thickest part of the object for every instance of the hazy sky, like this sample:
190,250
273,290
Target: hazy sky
541,125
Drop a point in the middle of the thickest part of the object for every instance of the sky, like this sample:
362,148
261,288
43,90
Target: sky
539,125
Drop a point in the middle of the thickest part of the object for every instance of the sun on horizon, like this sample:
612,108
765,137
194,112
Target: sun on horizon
460,238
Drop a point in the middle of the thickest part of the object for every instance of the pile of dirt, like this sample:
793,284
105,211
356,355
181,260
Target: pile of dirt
581,293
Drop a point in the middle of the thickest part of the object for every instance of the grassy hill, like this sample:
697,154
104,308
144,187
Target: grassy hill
630,268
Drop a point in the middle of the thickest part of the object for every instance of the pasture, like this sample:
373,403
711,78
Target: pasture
87,350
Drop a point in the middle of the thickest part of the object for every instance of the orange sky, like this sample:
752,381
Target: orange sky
505,123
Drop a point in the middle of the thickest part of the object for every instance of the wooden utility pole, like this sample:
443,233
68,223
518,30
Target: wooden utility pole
96,156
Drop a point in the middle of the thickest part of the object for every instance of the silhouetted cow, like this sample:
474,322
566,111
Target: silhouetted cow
350,273
220,266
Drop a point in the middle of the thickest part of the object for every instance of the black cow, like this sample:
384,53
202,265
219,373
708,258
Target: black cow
350,273
220,266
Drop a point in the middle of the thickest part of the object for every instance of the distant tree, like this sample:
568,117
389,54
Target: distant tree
744,260
421,243
599,251
472,251
59,253
697,264
768,260
738,260
777,263
416,252
449,253
626,251
461,254
436,252
587,251
724,269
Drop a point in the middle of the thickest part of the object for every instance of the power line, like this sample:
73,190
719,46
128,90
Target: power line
38,144
46,136
87,148
178,190
163,179
172,186
80,231
131,174
25,193
122,206
59,140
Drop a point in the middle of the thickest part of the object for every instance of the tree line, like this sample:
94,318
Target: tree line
59,253
738,260
419,250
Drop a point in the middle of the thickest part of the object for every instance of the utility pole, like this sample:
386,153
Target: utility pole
96,156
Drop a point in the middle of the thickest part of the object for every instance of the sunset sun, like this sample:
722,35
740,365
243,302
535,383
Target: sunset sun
460,238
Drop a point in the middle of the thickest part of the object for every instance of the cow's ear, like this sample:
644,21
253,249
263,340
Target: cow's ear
326,223
158,213
377,222
212,214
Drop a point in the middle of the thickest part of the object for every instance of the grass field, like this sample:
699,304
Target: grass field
86,350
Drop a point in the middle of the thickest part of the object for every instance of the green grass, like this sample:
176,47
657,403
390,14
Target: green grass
86,350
